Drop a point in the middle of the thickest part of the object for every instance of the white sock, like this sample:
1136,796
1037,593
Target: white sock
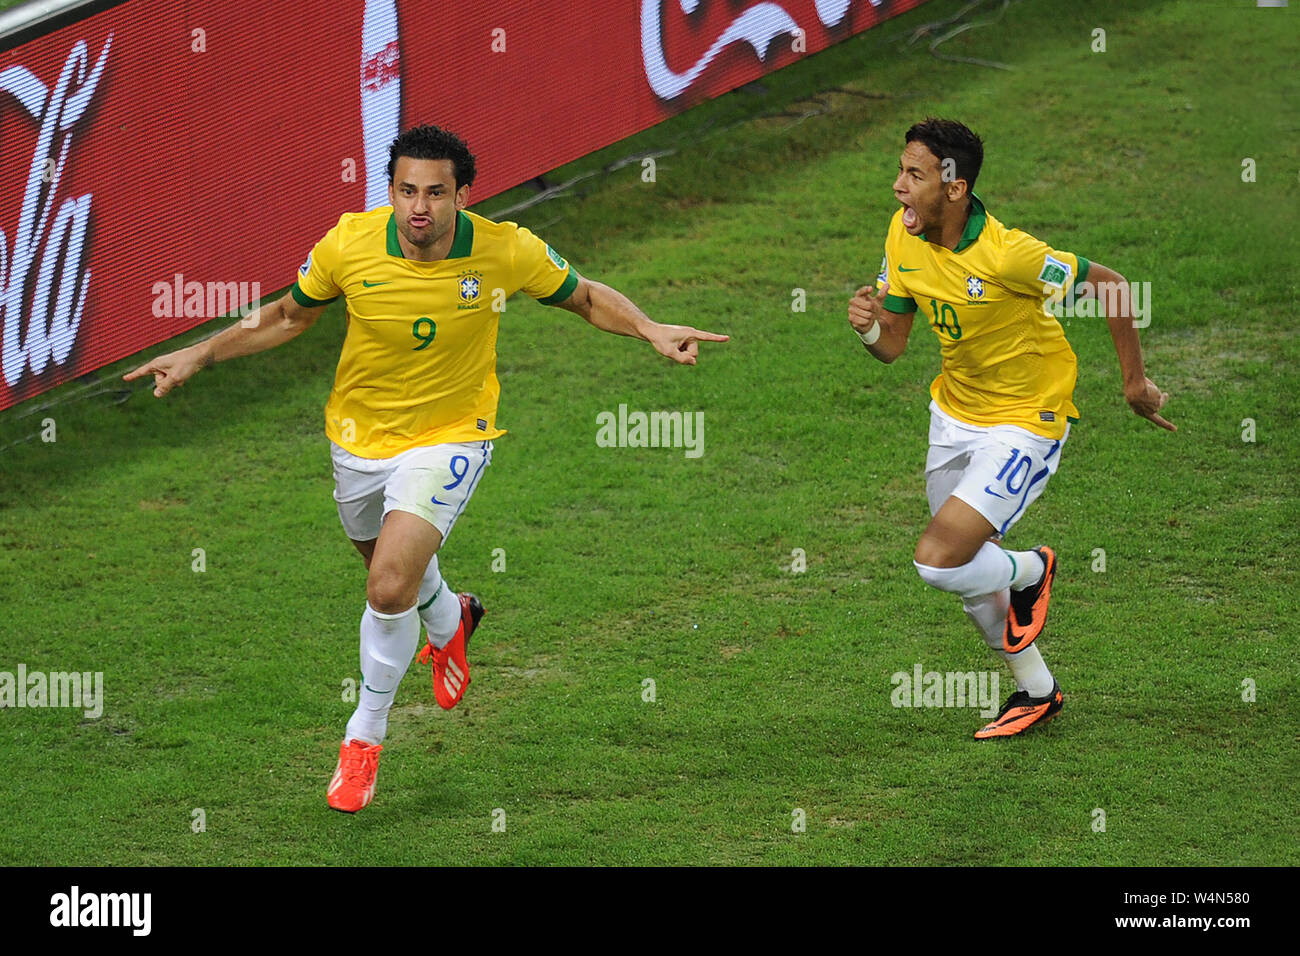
1030,568
438,605
989,613
1032,675
986,573
388,643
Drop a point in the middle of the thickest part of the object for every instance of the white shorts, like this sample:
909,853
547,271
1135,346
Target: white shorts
434,482
999,471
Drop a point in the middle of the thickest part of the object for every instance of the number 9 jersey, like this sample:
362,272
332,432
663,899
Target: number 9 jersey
1005,358
418,365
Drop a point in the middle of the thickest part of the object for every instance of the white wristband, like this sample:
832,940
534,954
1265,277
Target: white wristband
869,337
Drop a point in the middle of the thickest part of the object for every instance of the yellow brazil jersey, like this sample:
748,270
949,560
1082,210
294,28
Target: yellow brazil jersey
418,365
1005,359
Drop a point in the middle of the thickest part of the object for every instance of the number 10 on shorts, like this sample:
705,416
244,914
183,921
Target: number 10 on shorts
1015,472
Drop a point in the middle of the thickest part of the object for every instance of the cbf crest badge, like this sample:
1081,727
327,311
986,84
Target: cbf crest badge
974,287
468,285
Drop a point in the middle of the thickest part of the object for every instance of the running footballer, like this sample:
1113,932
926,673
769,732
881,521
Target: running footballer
412,414
1002,404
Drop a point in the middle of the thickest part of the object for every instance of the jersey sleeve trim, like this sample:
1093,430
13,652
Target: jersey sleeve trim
306,301
1084,265
564,291
898,303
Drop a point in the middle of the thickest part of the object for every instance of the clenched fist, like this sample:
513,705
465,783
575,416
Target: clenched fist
865,309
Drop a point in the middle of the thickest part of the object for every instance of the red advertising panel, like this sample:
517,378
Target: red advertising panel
165,163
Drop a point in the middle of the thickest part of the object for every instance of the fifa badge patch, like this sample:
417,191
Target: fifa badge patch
884,269
469,284
302,269
1055,272
556,258
974,287
1047,416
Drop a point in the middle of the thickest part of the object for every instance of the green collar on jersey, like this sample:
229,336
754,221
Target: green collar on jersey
974,225
461,243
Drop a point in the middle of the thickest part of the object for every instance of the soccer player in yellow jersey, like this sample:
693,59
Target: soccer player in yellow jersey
412,414
1001,405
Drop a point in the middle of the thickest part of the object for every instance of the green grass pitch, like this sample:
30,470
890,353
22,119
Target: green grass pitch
224,689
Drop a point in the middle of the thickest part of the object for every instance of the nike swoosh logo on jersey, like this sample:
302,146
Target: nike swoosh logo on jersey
445,504
906,269
371,285
995,494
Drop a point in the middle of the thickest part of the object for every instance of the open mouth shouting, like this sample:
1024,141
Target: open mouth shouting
910,219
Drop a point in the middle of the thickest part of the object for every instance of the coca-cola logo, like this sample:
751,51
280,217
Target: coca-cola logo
382,67
758,26
42,283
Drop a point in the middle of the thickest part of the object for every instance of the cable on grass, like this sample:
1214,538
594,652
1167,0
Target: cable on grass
958,27
87,387
564,189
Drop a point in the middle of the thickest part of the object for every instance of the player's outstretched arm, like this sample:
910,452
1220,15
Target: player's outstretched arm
867,310
269,326
1142,394
608,309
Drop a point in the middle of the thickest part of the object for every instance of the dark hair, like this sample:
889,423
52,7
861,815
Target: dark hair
949,139
433,142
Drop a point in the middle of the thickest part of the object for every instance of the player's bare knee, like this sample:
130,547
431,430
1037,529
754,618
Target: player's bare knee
389,594
935,553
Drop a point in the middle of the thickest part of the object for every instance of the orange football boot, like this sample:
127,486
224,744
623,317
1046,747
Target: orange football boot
353,785
1028,611
450,666
1021,712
